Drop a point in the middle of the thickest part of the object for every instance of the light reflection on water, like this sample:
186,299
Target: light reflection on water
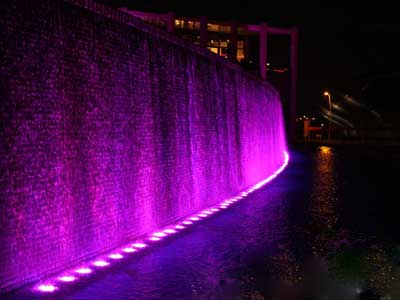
319,231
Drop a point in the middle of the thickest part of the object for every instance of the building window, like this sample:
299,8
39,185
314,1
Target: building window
240,51
218,28
226,29
179,23
191,25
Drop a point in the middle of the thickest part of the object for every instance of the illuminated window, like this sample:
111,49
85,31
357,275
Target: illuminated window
240,54
179,23
240,51
213,49
218,28
193,25
213,27
226,29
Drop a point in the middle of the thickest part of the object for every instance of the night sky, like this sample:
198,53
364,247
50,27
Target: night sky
348,49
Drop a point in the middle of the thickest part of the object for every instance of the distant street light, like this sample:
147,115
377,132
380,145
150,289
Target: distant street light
330,113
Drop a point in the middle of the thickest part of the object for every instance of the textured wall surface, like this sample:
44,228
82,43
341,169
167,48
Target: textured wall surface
109,131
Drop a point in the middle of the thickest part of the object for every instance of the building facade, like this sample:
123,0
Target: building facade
246,44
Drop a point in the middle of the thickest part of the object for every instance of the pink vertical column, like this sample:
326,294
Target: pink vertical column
263,50
293,82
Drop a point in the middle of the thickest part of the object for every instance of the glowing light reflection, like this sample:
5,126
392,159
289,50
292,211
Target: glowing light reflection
101,263
47,288
67,278
115,256
128,250
83,271
159,234
156,236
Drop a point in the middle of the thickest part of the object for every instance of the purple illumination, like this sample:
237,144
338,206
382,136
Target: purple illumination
159,234
139,245
156,236
101,263
129,250
67,278
83,271
173,132
116,256
46,288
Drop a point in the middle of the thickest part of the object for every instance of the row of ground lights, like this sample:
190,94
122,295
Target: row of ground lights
53,284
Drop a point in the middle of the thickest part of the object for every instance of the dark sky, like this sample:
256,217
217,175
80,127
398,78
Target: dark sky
351,48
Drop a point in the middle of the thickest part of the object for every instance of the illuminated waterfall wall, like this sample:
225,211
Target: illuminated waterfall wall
111,128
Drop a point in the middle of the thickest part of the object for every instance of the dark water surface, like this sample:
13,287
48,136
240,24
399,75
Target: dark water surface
326,228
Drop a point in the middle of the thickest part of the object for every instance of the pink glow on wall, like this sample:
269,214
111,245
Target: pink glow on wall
170,135
156,236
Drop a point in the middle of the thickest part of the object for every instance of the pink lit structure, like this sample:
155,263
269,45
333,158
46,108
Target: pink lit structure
53,284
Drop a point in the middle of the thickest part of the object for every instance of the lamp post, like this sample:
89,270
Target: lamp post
330,113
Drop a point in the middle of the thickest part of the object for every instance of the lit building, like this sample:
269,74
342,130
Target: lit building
242,43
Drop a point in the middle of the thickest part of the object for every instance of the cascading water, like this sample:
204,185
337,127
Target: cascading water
109,132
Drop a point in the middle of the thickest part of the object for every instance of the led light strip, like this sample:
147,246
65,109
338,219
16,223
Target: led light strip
53,284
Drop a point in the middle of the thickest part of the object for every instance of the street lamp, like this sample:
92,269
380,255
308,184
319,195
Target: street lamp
330,113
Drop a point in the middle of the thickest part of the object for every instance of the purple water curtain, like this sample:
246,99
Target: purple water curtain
109,133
